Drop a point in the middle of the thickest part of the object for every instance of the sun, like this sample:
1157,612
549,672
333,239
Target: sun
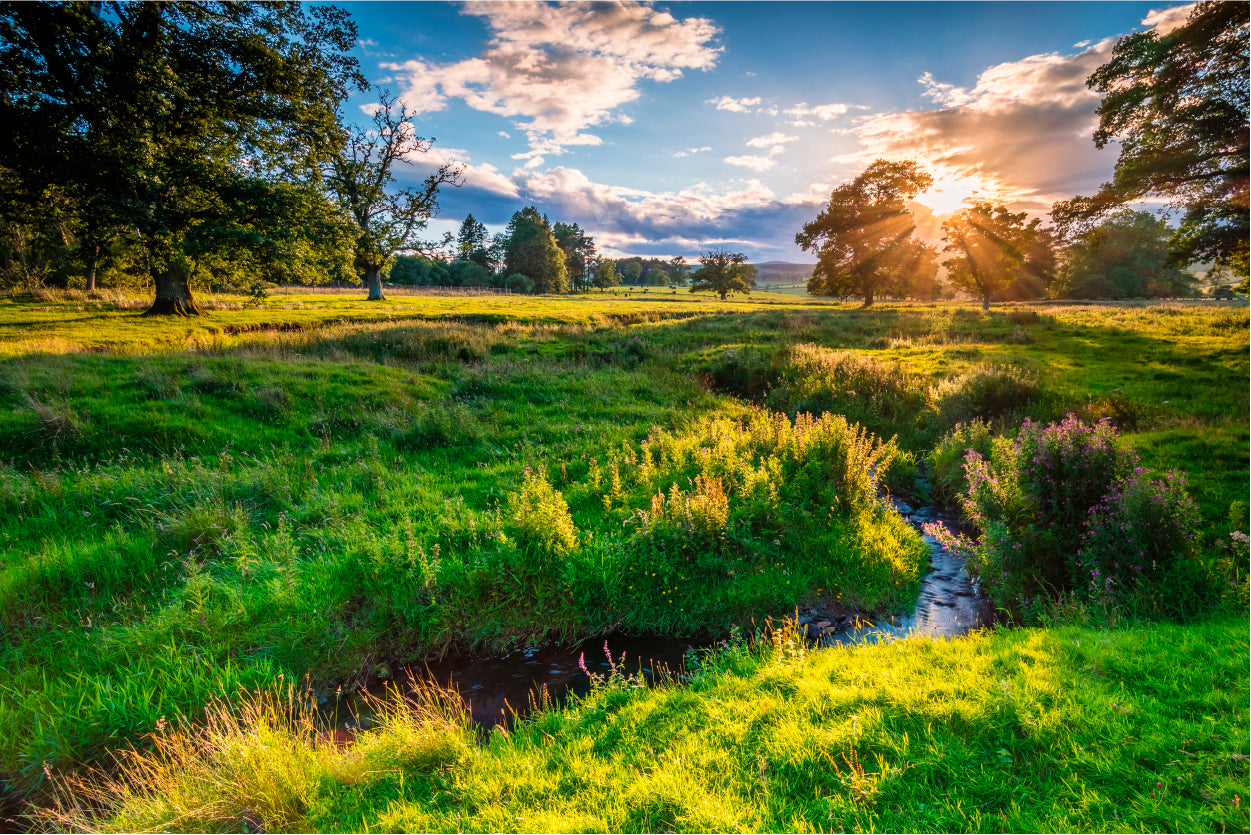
952,192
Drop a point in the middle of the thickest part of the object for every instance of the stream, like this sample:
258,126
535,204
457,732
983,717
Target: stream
498,689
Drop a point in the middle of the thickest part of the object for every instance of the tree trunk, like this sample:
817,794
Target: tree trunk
868,297
173,295
986,303
373,280
723,294
91,268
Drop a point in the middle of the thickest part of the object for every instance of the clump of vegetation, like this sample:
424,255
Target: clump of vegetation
987,392
869,391
540,517
1065,510
946,459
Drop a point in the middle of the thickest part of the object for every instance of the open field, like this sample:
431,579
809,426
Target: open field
323,486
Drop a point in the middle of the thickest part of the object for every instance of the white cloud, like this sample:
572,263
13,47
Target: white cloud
562,68
506,134
821,112
484,176
691,151
683,218
753,162
1164,21
735,105
772,140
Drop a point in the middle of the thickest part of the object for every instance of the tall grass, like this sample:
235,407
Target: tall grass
1090,729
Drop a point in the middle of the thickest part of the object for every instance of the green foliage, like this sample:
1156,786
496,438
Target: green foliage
1125,256
532,251
946,460
1064,510
1141,548
385,218
141,119
997,254
724,272
539,517
863,238
579,251
471,242
869,391
1176,102
467,273
519,283
606,274
986,392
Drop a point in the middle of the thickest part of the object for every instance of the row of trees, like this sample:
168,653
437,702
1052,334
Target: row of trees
1177,103
534,255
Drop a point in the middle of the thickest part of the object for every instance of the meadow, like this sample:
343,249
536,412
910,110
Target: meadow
315,488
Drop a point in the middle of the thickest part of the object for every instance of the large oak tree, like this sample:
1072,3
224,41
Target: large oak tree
165,119
865,234
724,272
1177,104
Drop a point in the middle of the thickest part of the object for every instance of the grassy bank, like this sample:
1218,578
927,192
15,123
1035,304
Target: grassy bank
1035,730
324,486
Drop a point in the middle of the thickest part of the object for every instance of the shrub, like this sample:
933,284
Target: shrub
987,391
1140,547
946,459
866,390
518,283
745,372
1063,510
540,517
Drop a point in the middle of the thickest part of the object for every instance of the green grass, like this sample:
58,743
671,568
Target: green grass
1029,730
191,507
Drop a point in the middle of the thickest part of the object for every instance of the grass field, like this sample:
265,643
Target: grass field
322,485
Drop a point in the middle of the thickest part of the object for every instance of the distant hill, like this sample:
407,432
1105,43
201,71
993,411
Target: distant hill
782,272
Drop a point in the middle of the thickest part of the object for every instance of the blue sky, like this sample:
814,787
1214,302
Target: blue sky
666,129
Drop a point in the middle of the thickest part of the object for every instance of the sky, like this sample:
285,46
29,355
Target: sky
668,129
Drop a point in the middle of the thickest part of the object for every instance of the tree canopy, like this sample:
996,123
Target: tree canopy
995,249
362,178
724,272
1177,104
606,274
170,120
863,238
532,251
579,250
472,243
1125,256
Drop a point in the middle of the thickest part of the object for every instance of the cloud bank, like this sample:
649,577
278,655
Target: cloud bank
561,69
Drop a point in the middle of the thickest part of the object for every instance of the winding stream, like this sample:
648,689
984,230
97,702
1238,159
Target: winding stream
499,689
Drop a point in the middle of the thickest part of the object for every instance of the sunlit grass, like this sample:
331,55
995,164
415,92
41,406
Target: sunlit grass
191,507
1068,729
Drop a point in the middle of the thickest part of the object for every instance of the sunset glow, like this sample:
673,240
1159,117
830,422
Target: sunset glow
951,193
668,130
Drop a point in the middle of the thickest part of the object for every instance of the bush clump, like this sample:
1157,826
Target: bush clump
946,459
986,391
1063,505
1140,545
867,390
540,517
